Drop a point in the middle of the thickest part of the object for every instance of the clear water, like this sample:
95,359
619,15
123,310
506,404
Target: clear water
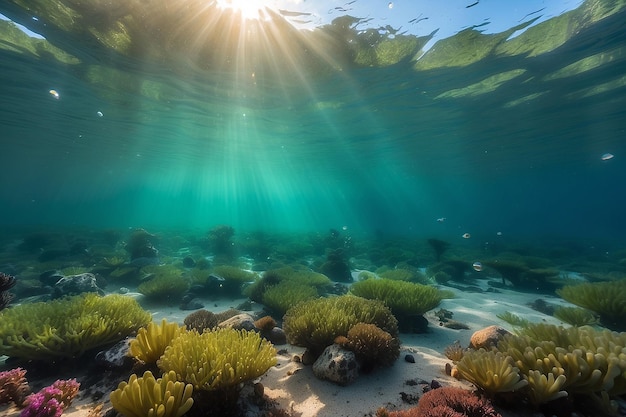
194,132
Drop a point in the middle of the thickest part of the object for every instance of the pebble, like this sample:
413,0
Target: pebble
409,358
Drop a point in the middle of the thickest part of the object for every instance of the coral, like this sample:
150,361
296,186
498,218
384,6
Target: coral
13,386
201,320
545,388
43,404
316,323
219,359
454,352
68,327
6,283
52,400
279,298
69,390
372,345
265,323
607,299
152,340
226,314
461,401
575,316
582,360
405,299
446,402
490,371
150,397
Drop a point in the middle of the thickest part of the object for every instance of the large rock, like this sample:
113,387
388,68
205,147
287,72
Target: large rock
487,337
76,284
241,321
336,364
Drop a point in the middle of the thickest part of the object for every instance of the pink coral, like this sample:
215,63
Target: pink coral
43,404
52,400
13,386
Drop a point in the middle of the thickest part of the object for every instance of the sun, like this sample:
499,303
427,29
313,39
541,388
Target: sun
249,9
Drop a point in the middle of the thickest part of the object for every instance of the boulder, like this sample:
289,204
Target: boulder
336,364
239,322
76,284
487,337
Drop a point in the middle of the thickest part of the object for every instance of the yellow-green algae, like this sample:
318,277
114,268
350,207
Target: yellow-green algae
219,359
152,340
315,324
555,361
68,327
149,397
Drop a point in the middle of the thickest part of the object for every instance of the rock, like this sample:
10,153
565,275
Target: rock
487,337
276,336
192,304
409,358
336,364
307,358
76,284
116,356
188,262
50,278
240,321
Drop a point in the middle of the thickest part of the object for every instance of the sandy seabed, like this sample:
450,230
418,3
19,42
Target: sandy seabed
294,388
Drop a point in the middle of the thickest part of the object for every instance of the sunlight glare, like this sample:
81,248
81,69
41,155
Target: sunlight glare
249,9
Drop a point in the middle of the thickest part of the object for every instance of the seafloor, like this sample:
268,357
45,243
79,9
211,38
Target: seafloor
497,283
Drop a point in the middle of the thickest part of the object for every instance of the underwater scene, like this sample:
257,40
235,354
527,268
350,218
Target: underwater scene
313,208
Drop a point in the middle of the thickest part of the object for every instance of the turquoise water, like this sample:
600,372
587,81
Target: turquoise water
507,139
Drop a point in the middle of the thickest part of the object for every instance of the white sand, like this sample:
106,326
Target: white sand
296,389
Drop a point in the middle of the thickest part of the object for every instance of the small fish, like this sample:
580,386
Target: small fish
441,220
54,93
607,156
466,235
477,266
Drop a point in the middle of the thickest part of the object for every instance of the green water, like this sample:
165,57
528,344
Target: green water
295,132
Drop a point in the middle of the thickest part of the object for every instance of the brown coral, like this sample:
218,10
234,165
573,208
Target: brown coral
13,386
265,323
371,345
446,402
201,320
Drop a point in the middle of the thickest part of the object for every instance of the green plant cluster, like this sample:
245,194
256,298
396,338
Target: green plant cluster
403,298
553,362
219,359
606,299
401,274
575,316
281,288
165,282
234,274
68,327
315,324
279,298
